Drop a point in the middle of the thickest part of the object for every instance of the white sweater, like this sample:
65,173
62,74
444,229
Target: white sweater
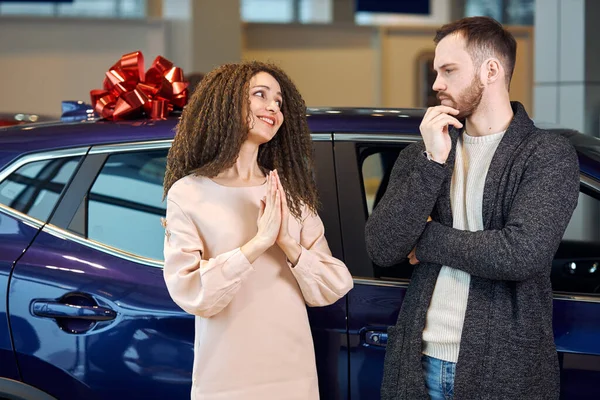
446,314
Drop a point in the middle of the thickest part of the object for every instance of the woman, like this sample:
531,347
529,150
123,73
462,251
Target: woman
244,248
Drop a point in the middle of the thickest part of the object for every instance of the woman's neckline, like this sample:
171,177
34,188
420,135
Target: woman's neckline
236,187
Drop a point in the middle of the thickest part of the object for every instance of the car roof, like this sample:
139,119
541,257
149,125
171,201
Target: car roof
18,140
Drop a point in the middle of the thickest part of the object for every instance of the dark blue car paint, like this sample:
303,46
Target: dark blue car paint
148,346
15,237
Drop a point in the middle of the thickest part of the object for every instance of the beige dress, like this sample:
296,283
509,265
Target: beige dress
253,338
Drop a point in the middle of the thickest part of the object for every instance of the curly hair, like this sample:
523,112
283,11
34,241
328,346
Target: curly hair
215,123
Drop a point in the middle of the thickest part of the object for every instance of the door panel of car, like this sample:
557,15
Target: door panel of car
363,164
29,191
15,236
98,324
362,167
329,324
101,322
576,284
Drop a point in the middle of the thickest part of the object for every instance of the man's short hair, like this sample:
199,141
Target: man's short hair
485,37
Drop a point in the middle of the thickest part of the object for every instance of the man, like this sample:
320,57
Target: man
476,321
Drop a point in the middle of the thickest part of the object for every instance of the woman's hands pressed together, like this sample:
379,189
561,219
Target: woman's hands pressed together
273,224
285,241
269,215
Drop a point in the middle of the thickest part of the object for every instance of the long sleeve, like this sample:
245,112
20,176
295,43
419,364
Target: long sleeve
323,279
199,286
539,214
395,225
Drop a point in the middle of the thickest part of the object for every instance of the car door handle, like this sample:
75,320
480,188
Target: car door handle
53,309
376,338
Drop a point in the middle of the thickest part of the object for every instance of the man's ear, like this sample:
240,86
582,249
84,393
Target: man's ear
493,70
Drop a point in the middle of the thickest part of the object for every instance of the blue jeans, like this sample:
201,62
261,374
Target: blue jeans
439,377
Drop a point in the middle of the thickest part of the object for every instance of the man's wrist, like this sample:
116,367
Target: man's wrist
434,159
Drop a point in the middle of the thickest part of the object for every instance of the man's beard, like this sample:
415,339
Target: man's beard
468,100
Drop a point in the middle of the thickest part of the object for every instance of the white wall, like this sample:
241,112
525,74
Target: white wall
44,61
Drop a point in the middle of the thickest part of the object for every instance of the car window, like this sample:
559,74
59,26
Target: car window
376,167
576,266
35,188
124,205
376,170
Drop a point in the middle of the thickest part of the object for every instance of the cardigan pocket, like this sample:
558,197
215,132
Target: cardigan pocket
392,367
513,372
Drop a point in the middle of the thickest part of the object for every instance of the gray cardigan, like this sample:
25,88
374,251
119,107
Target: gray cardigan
507,348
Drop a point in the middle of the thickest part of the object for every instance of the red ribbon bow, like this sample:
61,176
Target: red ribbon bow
129,91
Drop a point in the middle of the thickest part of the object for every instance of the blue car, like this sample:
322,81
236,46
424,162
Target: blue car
85,313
